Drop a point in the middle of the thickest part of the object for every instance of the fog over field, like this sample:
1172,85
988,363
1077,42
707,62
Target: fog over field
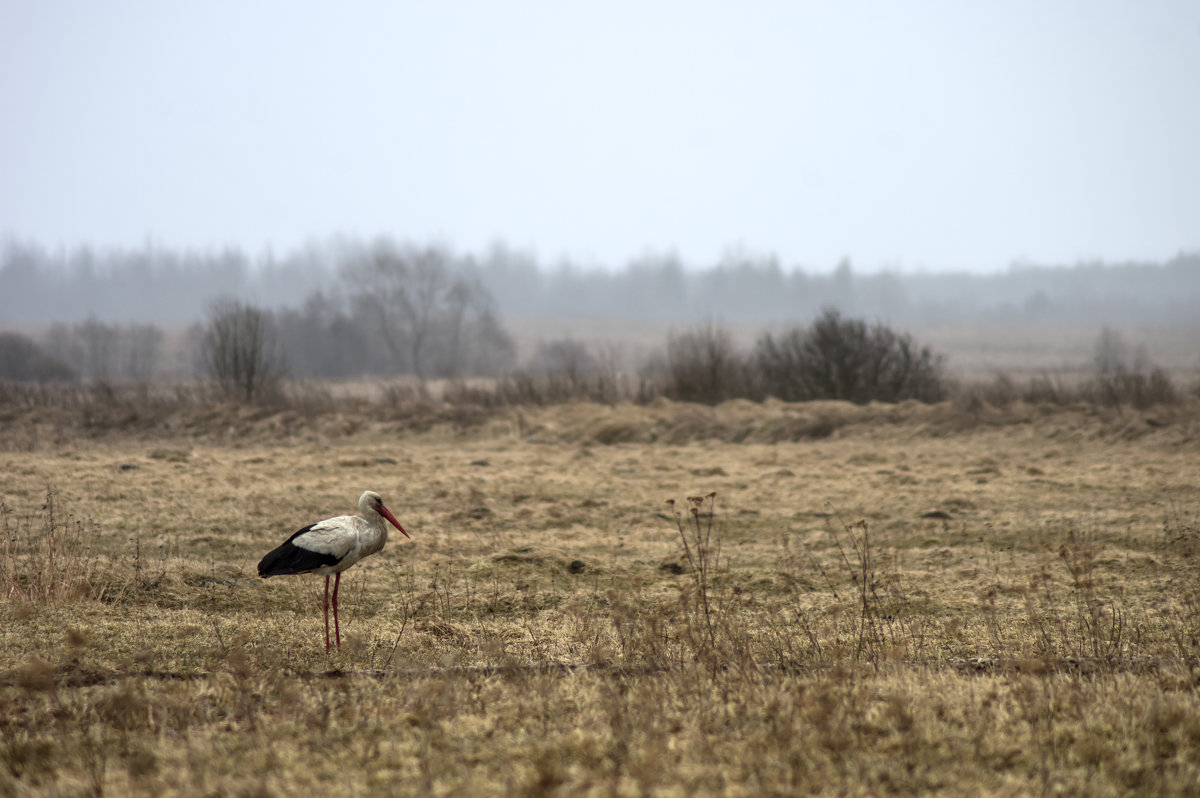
1028,318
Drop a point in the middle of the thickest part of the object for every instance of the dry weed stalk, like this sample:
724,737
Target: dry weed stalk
1181,538
1089,623
51,563
406,608
700,549
718,628
875,628
1100,622
54,560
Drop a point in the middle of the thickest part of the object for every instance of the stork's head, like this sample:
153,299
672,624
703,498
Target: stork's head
372,502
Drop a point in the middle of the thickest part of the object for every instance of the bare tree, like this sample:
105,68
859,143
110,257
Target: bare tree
240,350
100,343
401,290
62,343
323,339
142,350
427,313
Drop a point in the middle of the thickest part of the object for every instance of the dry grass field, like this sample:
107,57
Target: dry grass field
947,600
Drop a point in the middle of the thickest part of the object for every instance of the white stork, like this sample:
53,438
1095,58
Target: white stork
330,547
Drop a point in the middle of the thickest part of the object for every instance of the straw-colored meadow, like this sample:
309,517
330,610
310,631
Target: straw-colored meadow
884,600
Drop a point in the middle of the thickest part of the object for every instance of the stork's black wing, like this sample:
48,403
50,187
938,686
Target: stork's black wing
290,558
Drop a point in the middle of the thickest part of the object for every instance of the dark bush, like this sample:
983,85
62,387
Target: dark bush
703,365
839,358
1141,390
22,360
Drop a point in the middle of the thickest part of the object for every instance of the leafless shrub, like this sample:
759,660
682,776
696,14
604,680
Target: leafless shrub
562,371
1136,389
523,388
703,365
1001,391
308,397
846,359
566,356
395,394
1053,389
240,351
1117,388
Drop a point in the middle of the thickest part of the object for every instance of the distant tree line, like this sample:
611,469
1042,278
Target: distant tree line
398,310
163,285
346,309
93,348
395,310
834,357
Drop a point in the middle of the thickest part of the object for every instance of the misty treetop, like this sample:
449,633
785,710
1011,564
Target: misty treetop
399,310
94,348
163,285
433,319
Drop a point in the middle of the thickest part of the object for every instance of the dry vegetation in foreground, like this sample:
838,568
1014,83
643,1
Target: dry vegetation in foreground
904,599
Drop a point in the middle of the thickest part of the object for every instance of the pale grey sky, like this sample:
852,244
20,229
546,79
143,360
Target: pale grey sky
905,135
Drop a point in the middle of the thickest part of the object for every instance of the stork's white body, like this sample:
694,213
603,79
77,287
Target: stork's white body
349,538
330,547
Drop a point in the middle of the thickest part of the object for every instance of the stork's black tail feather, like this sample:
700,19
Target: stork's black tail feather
289,558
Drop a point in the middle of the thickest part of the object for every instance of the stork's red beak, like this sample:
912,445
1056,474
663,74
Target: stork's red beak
387,514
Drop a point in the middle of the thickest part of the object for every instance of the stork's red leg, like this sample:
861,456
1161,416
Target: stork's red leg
337,632
327,614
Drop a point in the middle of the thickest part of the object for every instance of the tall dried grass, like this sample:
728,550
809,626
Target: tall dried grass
49,556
